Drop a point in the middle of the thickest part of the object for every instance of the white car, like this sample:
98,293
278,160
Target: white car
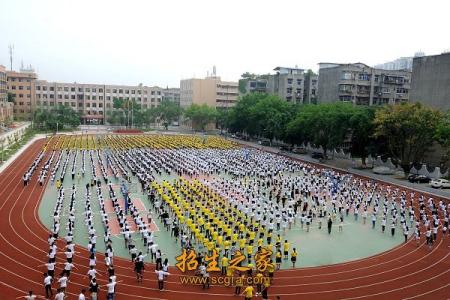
440,183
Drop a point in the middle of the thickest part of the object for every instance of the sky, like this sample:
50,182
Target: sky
160,42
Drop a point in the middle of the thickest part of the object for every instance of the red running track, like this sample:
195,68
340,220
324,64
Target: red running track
405,272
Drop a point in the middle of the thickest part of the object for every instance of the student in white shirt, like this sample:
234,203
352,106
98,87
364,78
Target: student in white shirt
160,274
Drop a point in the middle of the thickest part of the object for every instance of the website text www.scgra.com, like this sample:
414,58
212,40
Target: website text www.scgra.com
225,280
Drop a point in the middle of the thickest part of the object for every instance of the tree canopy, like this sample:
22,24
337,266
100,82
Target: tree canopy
200,115
167,112
409,130
57,118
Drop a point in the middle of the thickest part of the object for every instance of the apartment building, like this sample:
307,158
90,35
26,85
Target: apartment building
310,89
22,85
94,101
287,83
431,81
210,90
362,85
172,94
6,108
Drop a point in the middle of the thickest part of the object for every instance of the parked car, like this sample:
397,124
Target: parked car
300,150
419,178
317,155
440,183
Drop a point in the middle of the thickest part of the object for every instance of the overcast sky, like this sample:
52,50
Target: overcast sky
161,42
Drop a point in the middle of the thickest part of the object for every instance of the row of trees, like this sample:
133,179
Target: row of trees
404,132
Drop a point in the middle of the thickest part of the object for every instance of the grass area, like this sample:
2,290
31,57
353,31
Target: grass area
12,149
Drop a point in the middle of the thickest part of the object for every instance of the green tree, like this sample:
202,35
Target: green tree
167,112
325,125
443,133
57,118
240,119
409,130
271,116
362,129
200,115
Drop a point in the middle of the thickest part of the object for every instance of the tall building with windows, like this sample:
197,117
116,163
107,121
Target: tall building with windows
210,90
94,101
362,85
22,85
310,89
172,94
291,84
431,81
6,108
287,83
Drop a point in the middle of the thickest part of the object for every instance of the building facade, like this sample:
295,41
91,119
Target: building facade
211,91
6,108
310,90
431,81
22,85
172,94
287,83
362,85
94,102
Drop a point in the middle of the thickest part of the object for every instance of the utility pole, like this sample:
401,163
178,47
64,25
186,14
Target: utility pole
11,50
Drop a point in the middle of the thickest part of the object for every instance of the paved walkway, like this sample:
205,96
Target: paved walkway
346,165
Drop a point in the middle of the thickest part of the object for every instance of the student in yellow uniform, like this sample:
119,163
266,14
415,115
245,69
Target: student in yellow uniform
226,246
293,257
278,257
265,292
260,242
248,292
242,243
249,253
224,265
286,249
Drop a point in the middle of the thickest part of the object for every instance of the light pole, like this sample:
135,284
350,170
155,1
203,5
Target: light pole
57,125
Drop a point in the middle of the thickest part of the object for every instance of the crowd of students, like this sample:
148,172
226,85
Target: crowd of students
227,201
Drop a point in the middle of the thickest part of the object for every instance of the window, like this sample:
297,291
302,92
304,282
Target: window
52,96
100,105
88,97
100,90
59,89
88,90
66,97
72,89
94,90
100,97
20,103
159,92
59,96
127,91
88,105
120,91
114,91
108,98
347,76
52,104
73,104
52,88
133,92
94,97
44,103
21,87
108,90
38,88
80,89
94,104
72,97
20,95
153,92
299,81
364,77
66,103
66,89
80,104
289,90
